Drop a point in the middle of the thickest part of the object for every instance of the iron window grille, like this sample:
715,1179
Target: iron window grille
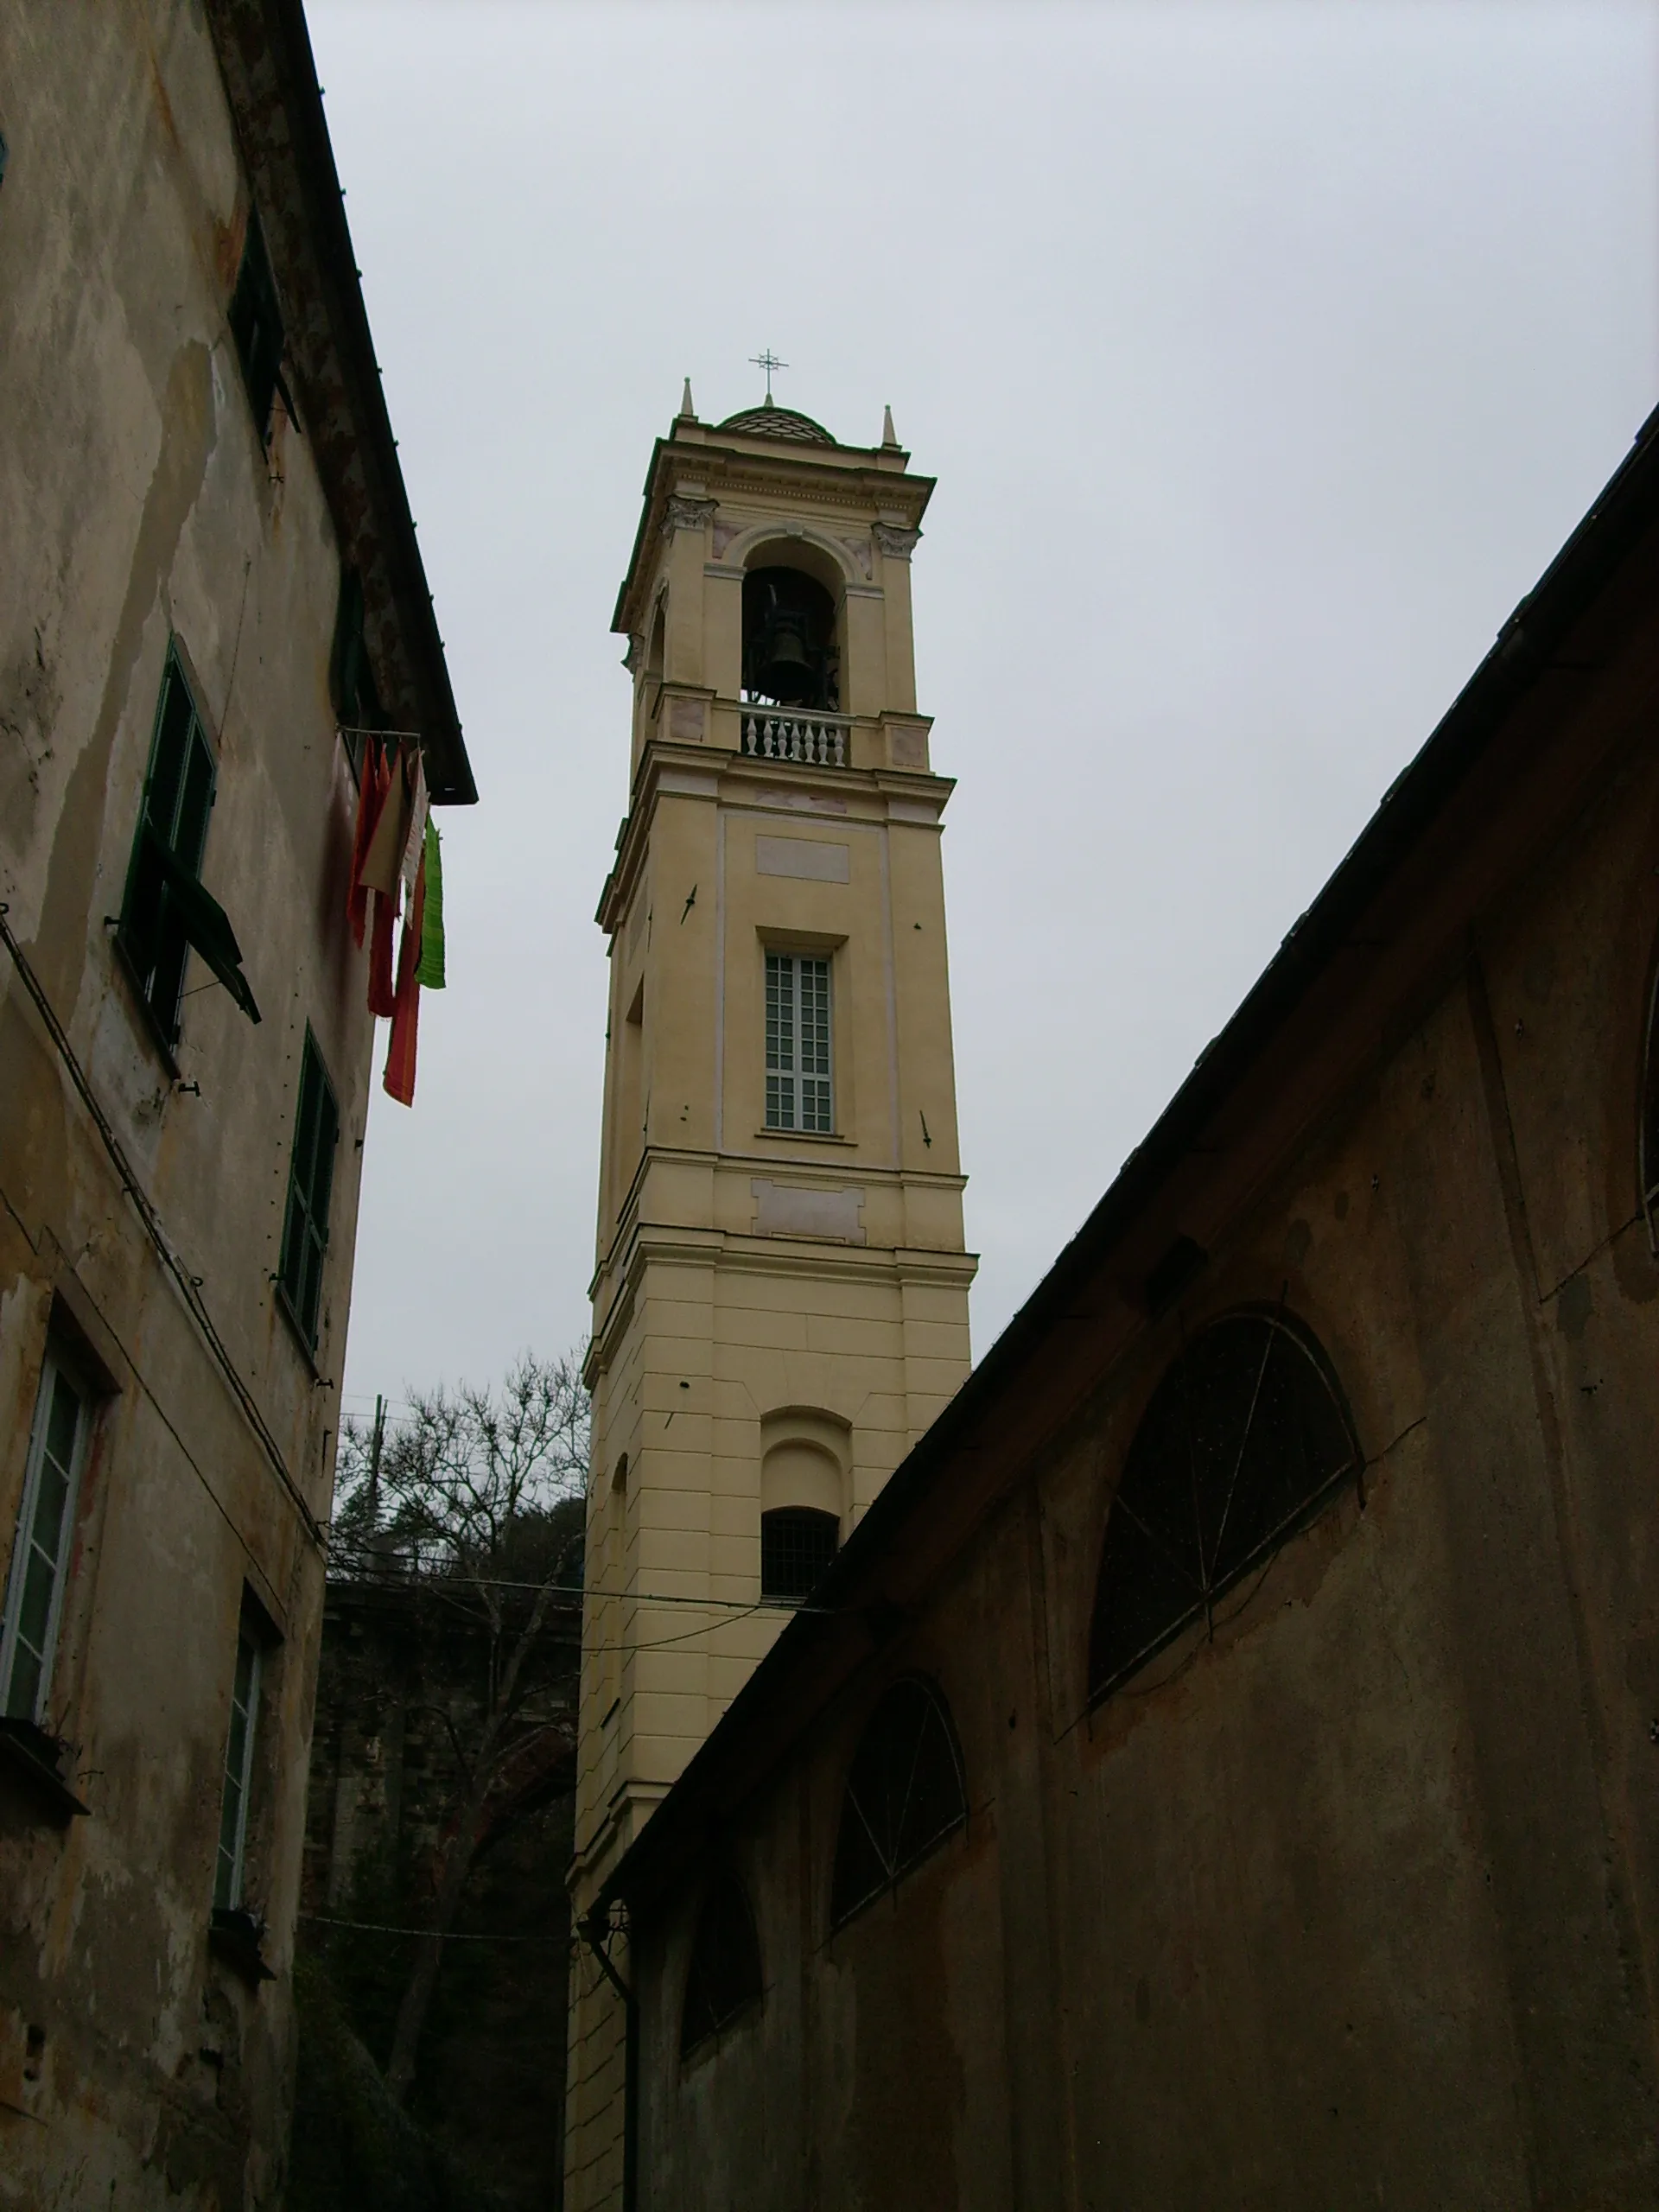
724,1979
39,1559
797,1544
166,909
1244,1440
799,1091
230,1866
310,1185
256,320
904,1795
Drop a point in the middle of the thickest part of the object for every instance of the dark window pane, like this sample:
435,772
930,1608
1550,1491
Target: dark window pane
797,1544
725,1973
256,324
24,1694
904,1796
1244,1437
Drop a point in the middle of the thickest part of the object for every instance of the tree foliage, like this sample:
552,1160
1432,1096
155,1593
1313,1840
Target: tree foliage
475,1498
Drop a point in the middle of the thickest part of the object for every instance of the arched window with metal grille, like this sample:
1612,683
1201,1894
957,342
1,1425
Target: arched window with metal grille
725,1976
797,1544
1243,1441
904,1795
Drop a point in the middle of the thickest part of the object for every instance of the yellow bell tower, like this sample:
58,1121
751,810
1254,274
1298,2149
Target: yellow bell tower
780,1301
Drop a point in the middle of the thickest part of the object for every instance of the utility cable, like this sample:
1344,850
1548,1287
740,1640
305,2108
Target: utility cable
152,1223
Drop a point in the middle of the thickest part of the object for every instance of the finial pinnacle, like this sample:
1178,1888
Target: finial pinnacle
889,435
688,412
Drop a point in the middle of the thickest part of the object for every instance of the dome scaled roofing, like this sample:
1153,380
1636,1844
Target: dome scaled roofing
772,422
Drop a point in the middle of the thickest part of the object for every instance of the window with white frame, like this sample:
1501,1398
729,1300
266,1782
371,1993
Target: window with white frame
40,1557
238,1772
798,1092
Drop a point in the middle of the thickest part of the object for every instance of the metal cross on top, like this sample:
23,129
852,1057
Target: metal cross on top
768,360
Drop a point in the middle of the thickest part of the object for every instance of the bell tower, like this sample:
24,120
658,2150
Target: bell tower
780,1298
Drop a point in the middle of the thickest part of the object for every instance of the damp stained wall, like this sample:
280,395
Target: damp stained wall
138,504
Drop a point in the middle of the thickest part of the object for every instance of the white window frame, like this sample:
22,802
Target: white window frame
230,1861
800,1022
27,1544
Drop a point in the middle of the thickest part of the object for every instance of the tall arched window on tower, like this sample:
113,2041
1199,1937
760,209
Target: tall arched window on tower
904,1795
804,1459
1244,1439
724,1976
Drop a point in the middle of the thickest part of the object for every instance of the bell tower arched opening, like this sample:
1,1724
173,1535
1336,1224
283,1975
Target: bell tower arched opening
791,645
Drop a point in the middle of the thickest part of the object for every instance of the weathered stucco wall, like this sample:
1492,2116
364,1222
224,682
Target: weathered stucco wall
137,503
1355,1904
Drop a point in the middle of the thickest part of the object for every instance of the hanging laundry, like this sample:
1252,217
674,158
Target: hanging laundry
382,995
430,974
373,783
384,858
415,843
399,1078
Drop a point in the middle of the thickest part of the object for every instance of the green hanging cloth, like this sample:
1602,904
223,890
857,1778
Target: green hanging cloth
430,974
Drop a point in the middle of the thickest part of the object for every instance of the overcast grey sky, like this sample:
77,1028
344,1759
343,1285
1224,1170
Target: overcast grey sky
1265,353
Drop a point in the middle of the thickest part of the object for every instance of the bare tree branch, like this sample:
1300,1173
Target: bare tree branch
464,1499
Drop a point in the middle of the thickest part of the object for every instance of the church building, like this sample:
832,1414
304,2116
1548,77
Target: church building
1221,1767
780,1300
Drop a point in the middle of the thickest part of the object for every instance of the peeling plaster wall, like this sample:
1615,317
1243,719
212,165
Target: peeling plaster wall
1359,1904
135,502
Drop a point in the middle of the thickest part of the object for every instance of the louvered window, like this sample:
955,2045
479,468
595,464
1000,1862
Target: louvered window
29,1628
798,1093
310,1183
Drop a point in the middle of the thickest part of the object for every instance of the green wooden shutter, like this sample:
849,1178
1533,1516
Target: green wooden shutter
166,910
310,1185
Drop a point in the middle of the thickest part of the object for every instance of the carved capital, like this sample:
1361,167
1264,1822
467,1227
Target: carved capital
896,544
635,654
860,549
685,514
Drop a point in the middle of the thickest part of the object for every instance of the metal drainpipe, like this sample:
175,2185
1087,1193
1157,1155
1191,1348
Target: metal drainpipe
594,1931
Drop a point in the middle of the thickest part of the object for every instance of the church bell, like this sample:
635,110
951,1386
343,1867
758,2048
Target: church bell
788,627
786,666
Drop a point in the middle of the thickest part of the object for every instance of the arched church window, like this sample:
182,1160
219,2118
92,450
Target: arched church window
905,1795
797,1544
725,1976
1244,1438
790,656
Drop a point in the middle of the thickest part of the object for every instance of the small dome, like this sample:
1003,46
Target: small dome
778,422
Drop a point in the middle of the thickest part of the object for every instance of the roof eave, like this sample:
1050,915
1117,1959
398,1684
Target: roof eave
265,58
